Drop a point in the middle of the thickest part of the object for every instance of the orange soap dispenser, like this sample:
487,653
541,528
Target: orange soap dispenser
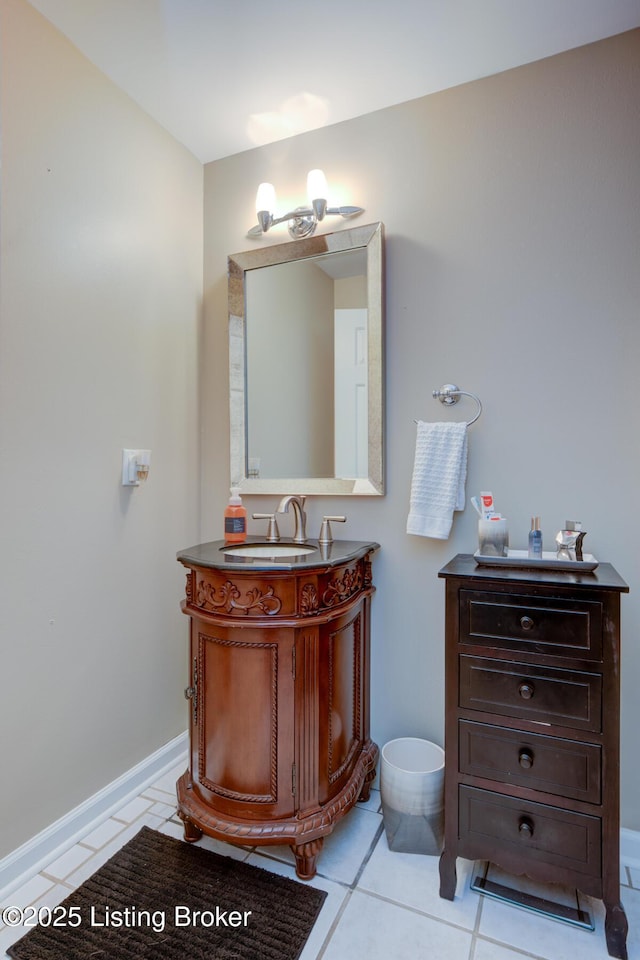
235,519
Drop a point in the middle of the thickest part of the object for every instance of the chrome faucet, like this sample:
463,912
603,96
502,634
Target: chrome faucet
300,533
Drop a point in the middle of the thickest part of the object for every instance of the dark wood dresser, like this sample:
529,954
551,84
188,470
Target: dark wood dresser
532,727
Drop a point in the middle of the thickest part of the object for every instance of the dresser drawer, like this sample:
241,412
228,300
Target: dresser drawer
529,831
566,768
537,624
524,691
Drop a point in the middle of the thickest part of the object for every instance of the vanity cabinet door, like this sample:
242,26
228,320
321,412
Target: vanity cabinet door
243,734
278,694
342,658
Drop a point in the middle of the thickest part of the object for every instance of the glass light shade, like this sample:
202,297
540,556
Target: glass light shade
317,188
266,198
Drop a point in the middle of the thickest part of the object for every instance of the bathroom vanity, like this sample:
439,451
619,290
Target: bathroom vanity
532,728
279,691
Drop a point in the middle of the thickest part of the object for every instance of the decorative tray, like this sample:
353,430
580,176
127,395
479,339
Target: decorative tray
549,561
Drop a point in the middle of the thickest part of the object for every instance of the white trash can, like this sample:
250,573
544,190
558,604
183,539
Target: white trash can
412,791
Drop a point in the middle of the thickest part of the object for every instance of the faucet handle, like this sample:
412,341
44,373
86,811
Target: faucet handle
325,530
273,534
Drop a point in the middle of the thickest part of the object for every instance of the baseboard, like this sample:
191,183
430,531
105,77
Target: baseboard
55,839
630,847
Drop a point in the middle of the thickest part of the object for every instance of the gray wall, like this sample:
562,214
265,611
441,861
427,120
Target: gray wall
511,208
101,259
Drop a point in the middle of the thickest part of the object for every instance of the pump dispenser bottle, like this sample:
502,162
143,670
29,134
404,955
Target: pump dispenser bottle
235,519
535,539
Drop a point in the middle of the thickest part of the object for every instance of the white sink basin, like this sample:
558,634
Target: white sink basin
269,551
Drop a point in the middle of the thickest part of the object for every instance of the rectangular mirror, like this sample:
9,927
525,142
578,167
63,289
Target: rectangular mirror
306,365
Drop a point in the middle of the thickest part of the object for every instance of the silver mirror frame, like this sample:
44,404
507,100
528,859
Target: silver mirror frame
371,238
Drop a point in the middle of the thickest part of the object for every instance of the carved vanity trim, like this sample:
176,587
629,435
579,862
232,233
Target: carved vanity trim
229,601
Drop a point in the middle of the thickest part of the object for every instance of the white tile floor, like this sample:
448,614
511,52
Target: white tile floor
380,905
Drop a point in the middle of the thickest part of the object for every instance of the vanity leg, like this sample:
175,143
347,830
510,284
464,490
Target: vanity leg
306,855
448,875
191,833
366,786
615,928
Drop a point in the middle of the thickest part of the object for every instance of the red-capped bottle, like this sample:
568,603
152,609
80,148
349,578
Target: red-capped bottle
235,519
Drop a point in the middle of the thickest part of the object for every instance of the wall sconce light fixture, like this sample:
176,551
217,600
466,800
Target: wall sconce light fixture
302,221
135,467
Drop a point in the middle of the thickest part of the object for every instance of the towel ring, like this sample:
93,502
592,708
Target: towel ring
450,393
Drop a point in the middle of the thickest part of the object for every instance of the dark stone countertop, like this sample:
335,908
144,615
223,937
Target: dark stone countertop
220,556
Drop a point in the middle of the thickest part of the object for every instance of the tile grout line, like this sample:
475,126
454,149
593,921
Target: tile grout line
416,910
517,951
475,933
336,920
368,854
349,891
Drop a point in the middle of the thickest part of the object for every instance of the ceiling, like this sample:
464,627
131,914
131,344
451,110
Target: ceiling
224,76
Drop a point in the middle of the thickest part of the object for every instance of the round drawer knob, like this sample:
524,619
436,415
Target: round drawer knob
526,623
525,828
525,759
526,690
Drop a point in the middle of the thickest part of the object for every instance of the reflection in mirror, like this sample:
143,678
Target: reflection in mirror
306,358
307,375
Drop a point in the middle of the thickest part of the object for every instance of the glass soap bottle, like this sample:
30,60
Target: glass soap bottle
535,539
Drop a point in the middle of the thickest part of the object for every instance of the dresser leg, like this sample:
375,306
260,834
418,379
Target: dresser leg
306,855
448,875
615,928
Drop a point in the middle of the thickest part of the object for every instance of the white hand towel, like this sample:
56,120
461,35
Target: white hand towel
439,475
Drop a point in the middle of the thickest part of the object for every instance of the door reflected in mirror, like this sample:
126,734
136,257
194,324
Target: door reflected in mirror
306,353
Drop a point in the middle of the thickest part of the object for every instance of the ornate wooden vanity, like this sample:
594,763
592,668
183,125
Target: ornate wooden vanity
532,728
279,694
